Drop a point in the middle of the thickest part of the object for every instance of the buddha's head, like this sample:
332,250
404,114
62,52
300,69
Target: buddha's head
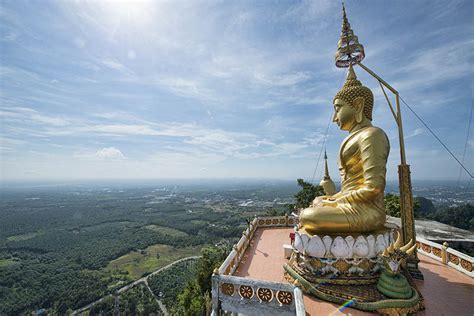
353,103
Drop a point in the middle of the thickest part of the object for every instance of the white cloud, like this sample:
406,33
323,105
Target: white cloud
205,140
430,66
9,144
109,153
19,114
416,132
187,88
121,129
113,64
213,83
11,141
47,120
131,54
282,79
9,37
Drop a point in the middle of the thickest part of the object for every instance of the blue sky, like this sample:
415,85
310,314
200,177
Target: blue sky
204,89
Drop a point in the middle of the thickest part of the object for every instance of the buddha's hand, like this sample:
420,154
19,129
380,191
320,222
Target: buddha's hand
318,200
328,201
323,200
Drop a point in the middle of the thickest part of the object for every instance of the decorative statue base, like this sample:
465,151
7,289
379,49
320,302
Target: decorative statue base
364,270
340,259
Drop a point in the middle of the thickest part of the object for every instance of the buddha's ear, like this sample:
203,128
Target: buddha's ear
358,104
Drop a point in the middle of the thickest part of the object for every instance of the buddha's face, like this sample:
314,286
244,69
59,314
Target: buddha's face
344,114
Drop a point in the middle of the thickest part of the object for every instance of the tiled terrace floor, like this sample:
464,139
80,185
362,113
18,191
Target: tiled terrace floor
446,291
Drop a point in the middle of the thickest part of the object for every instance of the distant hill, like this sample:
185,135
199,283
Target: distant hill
433,230
461,216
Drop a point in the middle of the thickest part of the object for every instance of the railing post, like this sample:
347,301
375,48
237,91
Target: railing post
444,253
299,304
215,292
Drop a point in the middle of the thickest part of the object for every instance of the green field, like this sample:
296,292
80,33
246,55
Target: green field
198,222
136,263
166,230
6,262
22,237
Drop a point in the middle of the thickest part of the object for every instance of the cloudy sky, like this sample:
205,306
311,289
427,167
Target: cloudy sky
204,89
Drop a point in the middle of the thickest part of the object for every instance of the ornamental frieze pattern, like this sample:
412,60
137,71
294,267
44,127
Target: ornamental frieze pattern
284,297
246,291
437,252
228,289
453,258
466,265
426,248
264,294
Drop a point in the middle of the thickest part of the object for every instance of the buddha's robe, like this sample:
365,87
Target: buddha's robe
359,206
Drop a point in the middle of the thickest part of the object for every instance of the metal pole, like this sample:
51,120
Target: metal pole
403,159
406,196
378,78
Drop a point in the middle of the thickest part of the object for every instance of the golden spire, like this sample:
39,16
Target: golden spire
351,73
327,184
326,171
349,50
351,79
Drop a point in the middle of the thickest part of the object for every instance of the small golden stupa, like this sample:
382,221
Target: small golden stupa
328,185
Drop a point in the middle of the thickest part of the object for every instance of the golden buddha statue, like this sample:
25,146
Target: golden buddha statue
359,206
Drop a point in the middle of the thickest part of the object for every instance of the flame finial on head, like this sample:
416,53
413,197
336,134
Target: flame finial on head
349,50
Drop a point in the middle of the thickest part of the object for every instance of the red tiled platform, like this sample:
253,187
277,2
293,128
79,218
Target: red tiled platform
445,290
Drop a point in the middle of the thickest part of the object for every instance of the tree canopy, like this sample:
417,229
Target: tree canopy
307,194
459,216
392,205
195,299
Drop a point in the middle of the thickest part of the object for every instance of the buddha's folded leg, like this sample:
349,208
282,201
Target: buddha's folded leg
324,219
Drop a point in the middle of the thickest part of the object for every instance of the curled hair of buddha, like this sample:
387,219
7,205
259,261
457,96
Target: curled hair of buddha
353,89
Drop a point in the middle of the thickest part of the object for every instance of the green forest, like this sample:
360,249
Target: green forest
170,283
56,246
461,216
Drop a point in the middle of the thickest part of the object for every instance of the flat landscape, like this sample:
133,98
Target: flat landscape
65,246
